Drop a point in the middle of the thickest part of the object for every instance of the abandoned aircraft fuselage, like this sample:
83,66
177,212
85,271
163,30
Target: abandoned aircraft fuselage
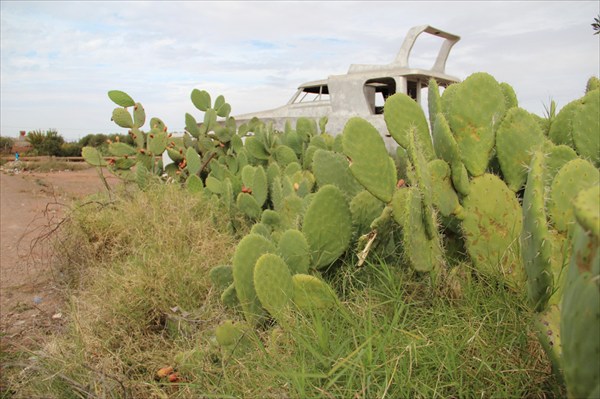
363,90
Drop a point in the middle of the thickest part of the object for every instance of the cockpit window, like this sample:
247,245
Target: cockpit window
377,91
312,94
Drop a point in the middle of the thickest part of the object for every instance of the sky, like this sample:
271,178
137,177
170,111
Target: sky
59,59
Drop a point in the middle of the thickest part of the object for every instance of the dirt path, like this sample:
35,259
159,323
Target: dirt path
30,204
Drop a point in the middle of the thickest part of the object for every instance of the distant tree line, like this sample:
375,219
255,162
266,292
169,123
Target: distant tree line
52,143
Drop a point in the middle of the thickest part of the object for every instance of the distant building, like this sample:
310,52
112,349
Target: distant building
21,145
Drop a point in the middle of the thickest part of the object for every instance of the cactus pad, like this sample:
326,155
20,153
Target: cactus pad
294,250
518,136
574,176
332,168
580,316
311,293
476,109
273,284
491,227
369,160
586,127
246,254
327,226
536,244
402,114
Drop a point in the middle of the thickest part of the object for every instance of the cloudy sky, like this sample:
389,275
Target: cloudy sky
58,59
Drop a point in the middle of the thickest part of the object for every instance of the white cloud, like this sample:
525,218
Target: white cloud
60,58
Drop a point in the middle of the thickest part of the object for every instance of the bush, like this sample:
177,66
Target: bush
48,143
6,144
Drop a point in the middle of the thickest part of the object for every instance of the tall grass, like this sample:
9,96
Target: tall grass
140,299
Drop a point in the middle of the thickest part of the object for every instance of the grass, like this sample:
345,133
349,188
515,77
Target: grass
140,299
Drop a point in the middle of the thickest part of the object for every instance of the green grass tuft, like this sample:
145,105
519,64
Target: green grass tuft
140,299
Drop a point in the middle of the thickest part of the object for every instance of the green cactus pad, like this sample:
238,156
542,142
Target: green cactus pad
574,176
92,156
510,97
221,276
444,197
369,160
580,316
121,149
175,155
247,204
561,129
476,109
139,115
424,253
214,185
285,155
256,149
193,161
312,294
460,178
121,98
246,254
491,226
586,127
194,184
157,142
327,226
365,208
273,284
260,186
517,137
200,99
261,229
536,244
270,218
402,114
332,168
229,297
294,250
586,206
557,156
122,117
434,101
548,329
229,333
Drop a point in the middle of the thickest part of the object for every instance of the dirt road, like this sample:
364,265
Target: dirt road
30,204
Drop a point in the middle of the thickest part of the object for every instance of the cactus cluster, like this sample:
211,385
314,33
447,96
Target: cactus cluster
481,174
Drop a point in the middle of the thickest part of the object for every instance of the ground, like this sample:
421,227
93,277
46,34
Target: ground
32,203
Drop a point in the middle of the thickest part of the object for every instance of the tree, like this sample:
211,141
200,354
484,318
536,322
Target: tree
46,144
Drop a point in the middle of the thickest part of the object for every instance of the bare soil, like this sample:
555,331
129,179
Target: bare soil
32,204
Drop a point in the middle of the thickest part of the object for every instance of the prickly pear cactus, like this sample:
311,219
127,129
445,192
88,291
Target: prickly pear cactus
586,127
273,284
574,176
402,114
580,317
446,148
365,208
327,226
424,253
476,108
556,157
444,197
250,248
294,250
312,294
369,160
518,136
221,276
492,225
536,245
434,101
332,168
561,130
510,97
548,329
